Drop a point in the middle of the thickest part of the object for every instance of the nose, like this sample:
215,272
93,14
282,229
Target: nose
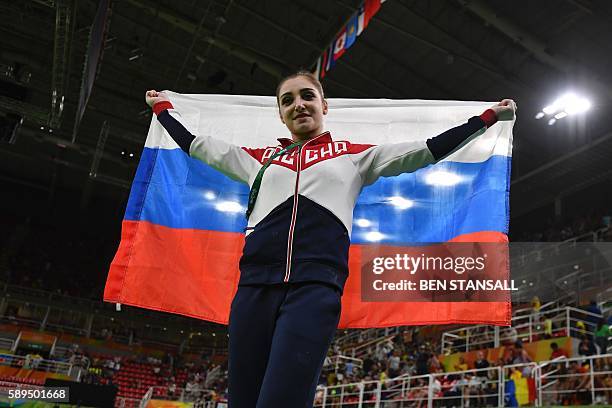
299,105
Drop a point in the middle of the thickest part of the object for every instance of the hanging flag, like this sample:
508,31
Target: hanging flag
328,61
93,58
339,45
183,231
371,7
351,32
347,36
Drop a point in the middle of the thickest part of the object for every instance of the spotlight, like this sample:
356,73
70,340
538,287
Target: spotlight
577,105
568,104
550,109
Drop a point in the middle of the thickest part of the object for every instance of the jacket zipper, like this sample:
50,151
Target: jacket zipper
294,212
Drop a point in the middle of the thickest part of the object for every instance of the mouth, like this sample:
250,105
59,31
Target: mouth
301,115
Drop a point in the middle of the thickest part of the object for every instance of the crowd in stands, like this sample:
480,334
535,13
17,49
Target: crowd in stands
558,230
407,354
39,256
172,379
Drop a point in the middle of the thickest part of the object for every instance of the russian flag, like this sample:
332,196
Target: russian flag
182,234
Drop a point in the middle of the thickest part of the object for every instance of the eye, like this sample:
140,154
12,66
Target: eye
286,101
308,95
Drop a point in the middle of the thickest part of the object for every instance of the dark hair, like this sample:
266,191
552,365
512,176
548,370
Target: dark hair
553,345
311,77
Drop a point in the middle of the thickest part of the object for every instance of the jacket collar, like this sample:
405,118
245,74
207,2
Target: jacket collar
324,137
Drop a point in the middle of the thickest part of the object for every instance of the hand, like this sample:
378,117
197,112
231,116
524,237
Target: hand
505,109
152,97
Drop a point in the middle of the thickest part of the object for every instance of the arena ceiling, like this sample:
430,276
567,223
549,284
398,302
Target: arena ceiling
412,49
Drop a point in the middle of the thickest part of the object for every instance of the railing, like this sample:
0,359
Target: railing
146,398
564,300
418,390
6,386
35,364
124,402
479,387
528,328
592,236
166,393
211,375
577,268
44,307
362,349
6,344
361,335
335,362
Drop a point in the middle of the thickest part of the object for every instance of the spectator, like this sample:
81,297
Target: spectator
451,391
435,366
461,365
422,361
557,352
510,336
601,336
548,327
586,347
393,364
171,389
481,362
594,316
349,368
472,390
409,368
536,304
522,357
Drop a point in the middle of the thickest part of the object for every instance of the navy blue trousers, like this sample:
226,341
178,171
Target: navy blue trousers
278,338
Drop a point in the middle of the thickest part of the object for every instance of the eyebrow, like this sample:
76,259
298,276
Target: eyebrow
303,89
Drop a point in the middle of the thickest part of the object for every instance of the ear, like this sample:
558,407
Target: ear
325,107
280,115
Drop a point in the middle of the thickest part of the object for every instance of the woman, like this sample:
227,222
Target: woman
295,258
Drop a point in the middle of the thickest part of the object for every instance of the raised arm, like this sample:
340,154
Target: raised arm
233,161
397,158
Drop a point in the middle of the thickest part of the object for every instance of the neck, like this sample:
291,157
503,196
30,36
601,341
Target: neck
304,137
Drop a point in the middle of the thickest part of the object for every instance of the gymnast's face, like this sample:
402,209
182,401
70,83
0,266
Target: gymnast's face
301,107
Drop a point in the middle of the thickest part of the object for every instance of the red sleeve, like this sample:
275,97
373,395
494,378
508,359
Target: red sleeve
489,117
162,106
